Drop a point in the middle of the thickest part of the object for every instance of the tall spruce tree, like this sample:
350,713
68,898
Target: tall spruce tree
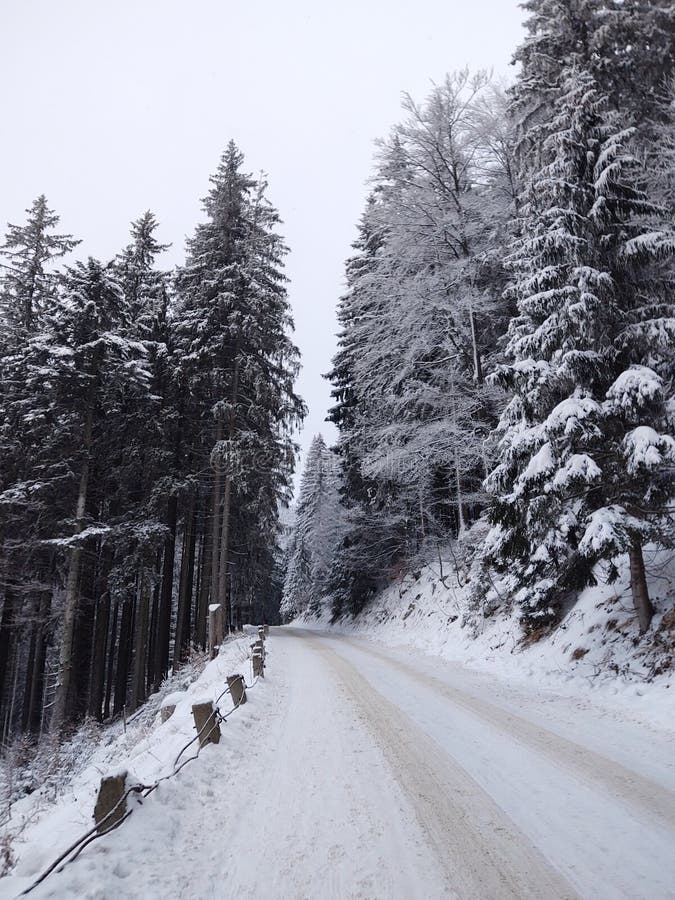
593,304
79,370
27,283
237,360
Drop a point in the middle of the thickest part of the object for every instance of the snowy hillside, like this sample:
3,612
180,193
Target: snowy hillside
59,809
596,648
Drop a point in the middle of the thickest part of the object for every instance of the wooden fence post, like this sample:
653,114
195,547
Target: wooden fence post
216,628
110,793
237,689
207,727
258,664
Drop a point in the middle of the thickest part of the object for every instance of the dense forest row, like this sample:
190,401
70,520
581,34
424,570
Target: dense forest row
504,380
146,423
503,386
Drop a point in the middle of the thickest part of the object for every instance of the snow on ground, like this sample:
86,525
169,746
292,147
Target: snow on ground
596,652
358,770
45,825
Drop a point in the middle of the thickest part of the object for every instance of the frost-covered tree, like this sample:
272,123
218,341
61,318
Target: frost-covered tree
317,531
625,45
593,303
419,324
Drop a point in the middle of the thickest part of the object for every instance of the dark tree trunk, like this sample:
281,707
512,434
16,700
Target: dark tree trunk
204,593
65,664
84,640
224,585
7,628
163,633
112,644
98,667
101,628
638,584
138,690
216,500
182,637
124,656
37,680
30,665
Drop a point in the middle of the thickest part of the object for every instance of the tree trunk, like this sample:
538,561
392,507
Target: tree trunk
182,636
202,604
83,642
100,643
163,634
477,362
35,672
110,668
138,692
223,592
215,524
30,664
124,656
65,664
98,667
152,631
638,584
223,587
7,627
461,523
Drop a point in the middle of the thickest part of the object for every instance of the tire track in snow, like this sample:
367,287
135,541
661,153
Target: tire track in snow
484,854
622,784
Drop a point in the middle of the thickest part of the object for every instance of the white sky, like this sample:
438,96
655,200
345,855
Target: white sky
112,107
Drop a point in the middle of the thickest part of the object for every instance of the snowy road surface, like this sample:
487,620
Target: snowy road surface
380,773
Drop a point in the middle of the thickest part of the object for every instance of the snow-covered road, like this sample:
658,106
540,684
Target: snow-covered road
381,773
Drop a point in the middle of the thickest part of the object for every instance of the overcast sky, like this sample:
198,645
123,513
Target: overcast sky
111,108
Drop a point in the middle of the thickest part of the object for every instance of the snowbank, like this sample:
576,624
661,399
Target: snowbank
43,826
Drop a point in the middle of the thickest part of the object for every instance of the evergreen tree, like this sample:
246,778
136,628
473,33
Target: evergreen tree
145,287
592,303
26,283
239,364
625,45
78,372
316,533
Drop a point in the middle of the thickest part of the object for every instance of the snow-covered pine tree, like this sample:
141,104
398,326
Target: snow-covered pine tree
627,47
79,370
238,364
28,285
26,282
316,534
589,290
145,286
154,444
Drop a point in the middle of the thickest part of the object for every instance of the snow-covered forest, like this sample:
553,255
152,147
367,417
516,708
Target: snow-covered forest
503,387
430,651
146,422
504,380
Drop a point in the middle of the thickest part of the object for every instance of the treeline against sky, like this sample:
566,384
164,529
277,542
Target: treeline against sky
504,380
146,422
